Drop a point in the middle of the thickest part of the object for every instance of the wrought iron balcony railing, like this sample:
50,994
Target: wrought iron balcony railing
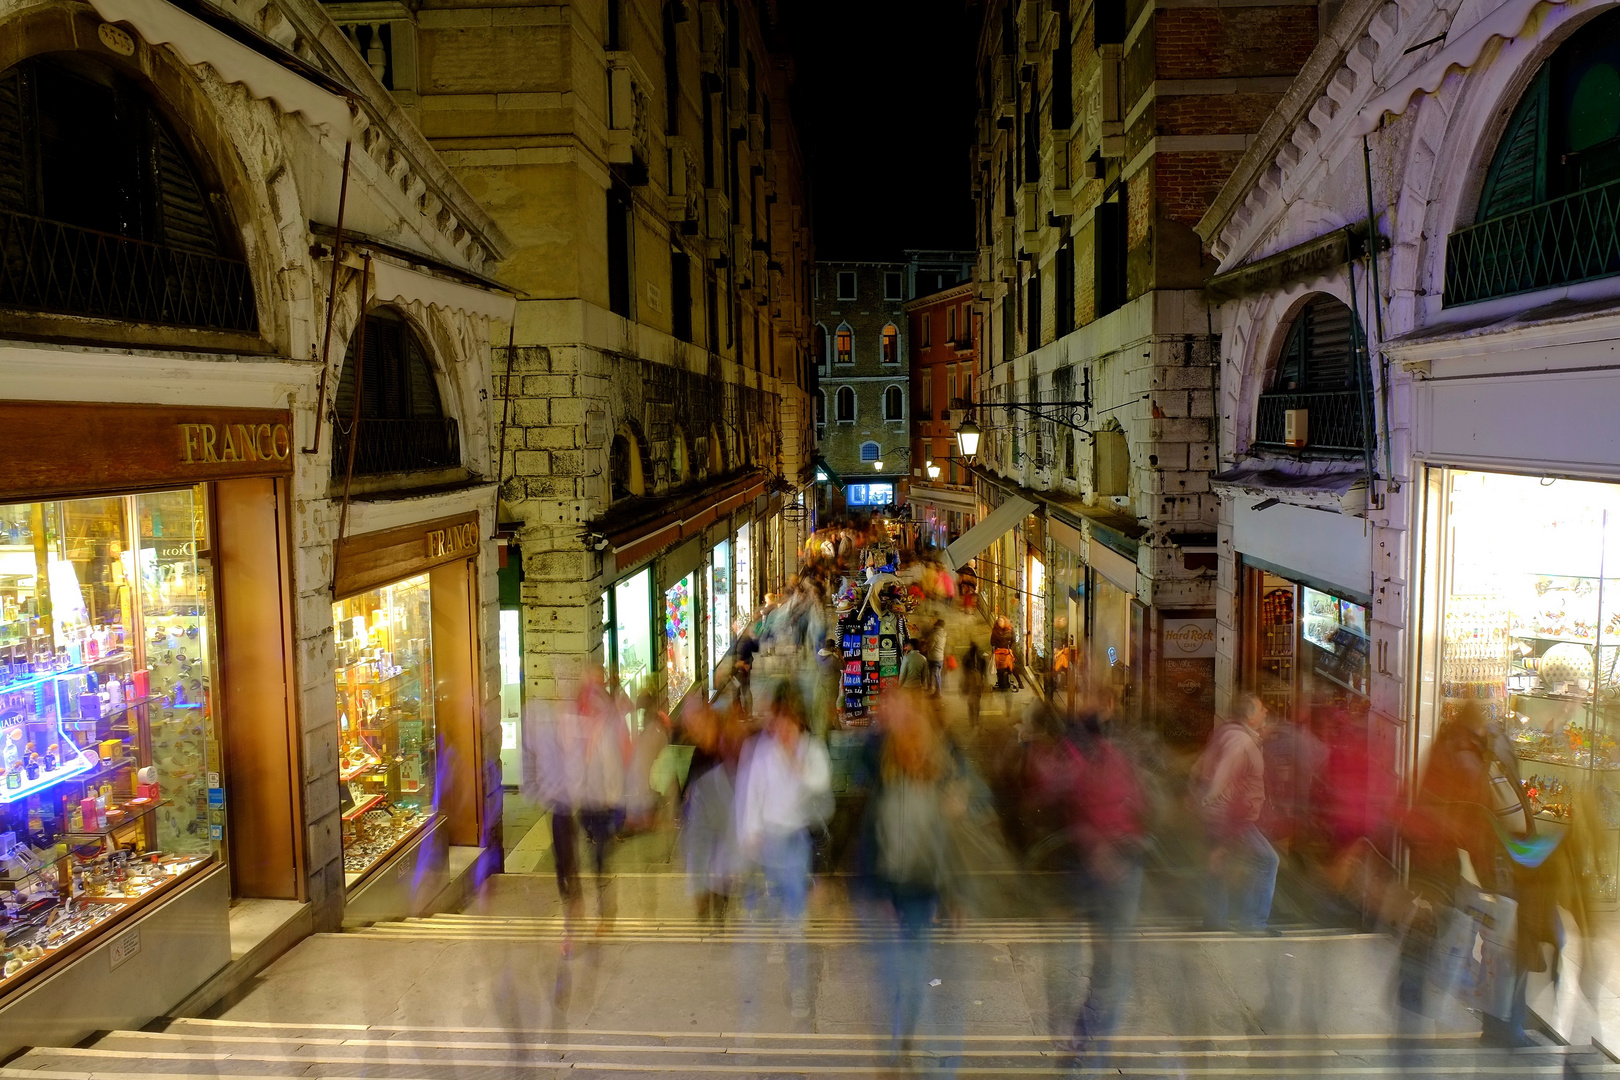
396,446
1334,420
1558,242
49,266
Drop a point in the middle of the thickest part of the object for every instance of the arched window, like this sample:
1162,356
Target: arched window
894,404
678,463
870,451
891,344
821,345
102,211
1318,397
1546,214
846,405
402,423
624,464
717,452
844,341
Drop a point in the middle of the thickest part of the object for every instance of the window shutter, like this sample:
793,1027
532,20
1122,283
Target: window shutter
424,388
1518,176
1329,356
182,207
15,151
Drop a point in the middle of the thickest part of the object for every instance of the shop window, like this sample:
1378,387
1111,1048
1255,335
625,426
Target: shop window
1314,401
1547,212
107,713
846,405
870,451
894,404
102,211
743,552
719,604
680,640
402,426
632,633
891,344
845,344
386,730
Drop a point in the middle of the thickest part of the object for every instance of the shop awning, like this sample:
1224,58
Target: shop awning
161,23
824,469
988,531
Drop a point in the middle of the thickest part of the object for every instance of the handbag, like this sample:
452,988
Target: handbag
1473,956
1505,803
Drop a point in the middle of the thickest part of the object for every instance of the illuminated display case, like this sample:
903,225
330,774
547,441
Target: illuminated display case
1530,633
110,788
386,731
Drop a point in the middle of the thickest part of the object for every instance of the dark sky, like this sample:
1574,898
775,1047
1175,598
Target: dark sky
885,108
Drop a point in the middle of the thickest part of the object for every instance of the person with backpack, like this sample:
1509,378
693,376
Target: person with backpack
1109,826
1227,791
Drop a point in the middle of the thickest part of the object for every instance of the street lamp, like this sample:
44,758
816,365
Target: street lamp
878,465
967,438
933,471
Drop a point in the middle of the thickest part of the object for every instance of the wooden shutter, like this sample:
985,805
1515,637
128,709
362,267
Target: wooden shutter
1320,352
1518,176
183,214
16,149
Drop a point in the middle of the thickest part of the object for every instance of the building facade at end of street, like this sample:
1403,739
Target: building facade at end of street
942,331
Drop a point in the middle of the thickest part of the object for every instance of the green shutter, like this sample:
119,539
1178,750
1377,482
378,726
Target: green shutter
16,153
1518,176
182,206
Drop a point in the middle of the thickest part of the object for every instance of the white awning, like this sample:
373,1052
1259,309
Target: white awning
401,284
1462,52
1120,571
161,23
988,531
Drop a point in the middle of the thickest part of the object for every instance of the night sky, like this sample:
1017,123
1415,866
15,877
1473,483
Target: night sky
885,108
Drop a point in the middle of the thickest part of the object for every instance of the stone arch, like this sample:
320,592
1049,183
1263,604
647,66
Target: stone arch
1261,331
260,199
627,462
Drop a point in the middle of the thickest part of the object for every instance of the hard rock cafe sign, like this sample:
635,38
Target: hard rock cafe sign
1189,638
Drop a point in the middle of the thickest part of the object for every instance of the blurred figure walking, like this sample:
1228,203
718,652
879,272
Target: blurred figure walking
553,775
784,789
709,833
936,658
1228,791
973,682
605,744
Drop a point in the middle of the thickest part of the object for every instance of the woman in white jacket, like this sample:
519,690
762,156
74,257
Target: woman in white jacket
784,789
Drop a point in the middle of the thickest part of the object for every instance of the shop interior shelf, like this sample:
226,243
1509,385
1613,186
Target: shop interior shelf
128,819
1608,642
122,710
362,806
9,883
345,775
1544,758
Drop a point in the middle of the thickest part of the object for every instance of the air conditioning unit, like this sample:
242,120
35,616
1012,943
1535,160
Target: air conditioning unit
1296,427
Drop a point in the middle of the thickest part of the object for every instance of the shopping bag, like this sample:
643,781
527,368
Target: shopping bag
1474,952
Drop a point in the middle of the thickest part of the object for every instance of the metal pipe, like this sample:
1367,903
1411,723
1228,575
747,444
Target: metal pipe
506,408
359,396
331,301
1358,342
1390,483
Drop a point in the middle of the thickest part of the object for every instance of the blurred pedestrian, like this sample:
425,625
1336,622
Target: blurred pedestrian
1228,792
973,682
936,658
909,811
913,668
784,789
605,742
709,828
644,785
553,775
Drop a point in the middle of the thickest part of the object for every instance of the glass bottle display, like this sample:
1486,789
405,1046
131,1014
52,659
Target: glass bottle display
109,762
386,733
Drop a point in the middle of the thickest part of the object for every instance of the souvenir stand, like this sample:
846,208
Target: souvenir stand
871,627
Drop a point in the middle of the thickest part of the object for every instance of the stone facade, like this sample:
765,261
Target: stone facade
1103,135
272,155
943,338
642,157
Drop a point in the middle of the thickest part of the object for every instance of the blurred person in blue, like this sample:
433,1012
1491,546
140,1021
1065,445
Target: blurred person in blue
1228,791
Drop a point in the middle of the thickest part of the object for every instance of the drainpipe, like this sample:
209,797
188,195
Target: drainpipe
331,302
1358,342
354,423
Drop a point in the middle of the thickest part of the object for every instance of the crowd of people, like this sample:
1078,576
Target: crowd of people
1065,809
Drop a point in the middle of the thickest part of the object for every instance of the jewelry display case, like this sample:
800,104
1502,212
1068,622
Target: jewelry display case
110,786
386,731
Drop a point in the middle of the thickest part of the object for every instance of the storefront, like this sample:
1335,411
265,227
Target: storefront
742,545
717,575
1519,617
1306,648
1114,624
510,579
146,743
406,678
630,628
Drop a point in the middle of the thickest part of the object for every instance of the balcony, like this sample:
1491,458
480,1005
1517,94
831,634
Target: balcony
1558,242
396,446
49,266
1336,422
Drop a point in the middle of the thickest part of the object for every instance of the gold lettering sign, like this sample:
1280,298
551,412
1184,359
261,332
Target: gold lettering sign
443,543
230,444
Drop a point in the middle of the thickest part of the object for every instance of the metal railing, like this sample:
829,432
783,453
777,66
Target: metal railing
1558,242
49,266
1334,421
396,446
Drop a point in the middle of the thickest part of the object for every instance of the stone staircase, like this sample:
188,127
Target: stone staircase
220,1048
